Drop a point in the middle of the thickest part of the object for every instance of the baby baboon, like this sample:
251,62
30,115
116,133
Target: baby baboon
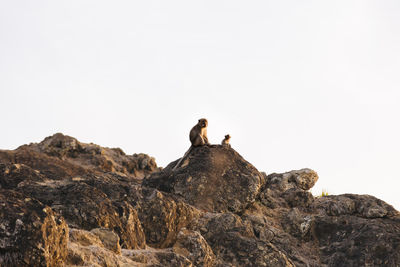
197,136
225,141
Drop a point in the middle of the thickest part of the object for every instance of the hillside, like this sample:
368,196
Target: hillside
66,203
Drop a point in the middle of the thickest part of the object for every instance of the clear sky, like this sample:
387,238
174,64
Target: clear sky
295,83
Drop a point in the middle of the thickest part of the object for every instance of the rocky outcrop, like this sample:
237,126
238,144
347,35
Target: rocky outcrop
162,216
212,178
194,247
87,207
358,230
88,249
67,203
61,156
31,234
234,242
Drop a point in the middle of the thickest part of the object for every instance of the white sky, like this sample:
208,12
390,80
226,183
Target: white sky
296,83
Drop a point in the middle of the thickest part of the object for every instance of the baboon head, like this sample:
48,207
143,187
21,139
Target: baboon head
203,123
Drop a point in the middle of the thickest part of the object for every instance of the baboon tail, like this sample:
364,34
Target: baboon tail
184,156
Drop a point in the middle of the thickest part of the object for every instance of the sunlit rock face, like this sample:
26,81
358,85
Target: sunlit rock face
67,203
31,234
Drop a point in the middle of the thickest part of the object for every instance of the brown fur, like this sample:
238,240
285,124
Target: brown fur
226,140
197,136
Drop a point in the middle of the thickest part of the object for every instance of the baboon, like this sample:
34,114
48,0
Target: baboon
225,141
197,136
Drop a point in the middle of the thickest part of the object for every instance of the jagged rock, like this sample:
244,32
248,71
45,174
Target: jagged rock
96,248
86,249
97,256
31,234
193,246
14,175
297,223
215,209
109,239
87,207
213,178
84,238
298,198
59,145
60,173
288,189
357,230
288,217
162,217
260,226
233,242
51,167
359,205
62,150
302,179
157,258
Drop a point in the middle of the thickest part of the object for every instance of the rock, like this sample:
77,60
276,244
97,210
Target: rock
194,247
64,150
233,242
14,175
260,226
360,205
162,217
302,179
31,234
305,178
298,198
157,258
212,178
50,167
288,189
354,241
169,258
84,238
297,223
87,207
357,230
109,239
60,145
86,249
83,254
215,209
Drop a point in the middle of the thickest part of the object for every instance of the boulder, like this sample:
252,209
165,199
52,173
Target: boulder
194,247
212,178
289,189
303,179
